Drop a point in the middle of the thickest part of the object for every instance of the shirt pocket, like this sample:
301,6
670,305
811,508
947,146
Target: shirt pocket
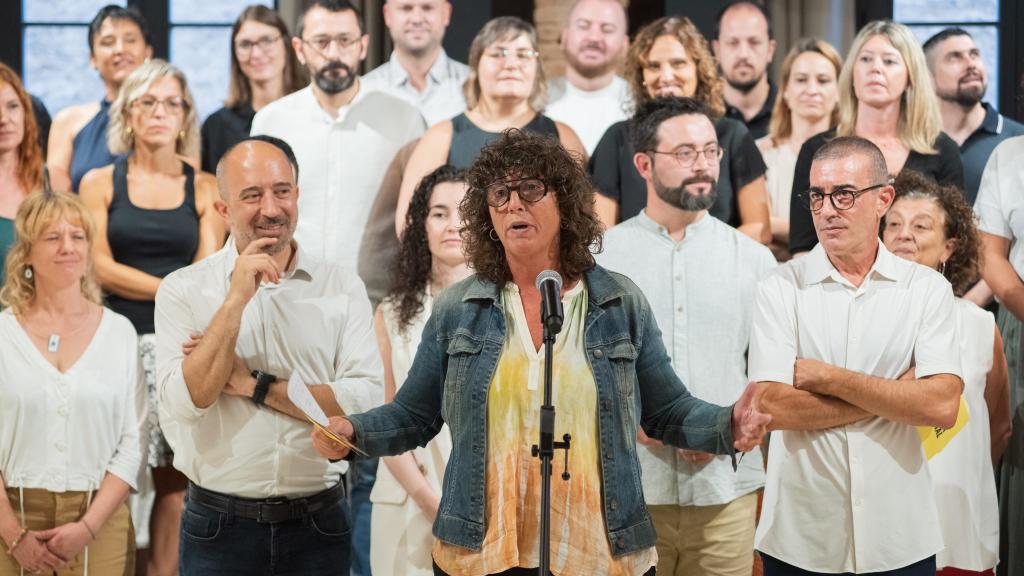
462,353
622,358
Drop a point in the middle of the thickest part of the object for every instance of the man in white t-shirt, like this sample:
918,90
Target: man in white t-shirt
591,96
852,348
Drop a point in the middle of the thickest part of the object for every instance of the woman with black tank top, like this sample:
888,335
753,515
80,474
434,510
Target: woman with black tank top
154,214
505,89
118,44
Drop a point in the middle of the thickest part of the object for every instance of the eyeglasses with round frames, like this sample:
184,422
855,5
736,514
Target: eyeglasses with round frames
519,54
264,43
687,155
323,43
841,199
148,105
529,189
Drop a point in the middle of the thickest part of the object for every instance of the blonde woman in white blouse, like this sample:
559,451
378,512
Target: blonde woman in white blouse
807,105
71,404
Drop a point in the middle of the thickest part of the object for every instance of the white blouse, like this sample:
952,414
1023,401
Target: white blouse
64,431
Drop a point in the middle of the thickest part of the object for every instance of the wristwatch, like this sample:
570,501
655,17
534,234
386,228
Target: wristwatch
263,382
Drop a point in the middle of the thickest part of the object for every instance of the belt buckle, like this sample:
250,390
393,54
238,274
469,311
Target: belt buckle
270,505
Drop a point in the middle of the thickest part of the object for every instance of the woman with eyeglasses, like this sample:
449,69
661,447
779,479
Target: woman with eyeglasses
154,214
506,89
118,44
479,368
885,95
263,68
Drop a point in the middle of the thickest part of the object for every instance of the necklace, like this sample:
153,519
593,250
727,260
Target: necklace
53,340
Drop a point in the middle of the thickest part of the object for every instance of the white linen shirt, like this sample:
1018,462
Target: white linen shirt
855,498
442,98
64,431
341,163
701,292
1000,203
315,323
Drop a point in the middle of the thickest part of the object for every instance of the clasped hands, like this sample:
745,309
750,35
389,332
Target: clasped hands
53,549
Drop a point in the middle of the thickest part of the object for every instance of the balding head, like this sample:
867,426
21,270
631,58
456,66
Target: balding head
595,37
256,179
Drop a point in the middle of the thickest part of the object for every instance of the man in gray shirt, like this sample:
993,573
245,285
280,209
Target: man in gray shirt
699,275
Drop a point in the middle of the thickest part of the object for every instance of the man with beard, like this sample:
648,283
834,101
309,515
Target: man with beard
699,275
231,331
419,70
960,78
744,48
591,96
343,137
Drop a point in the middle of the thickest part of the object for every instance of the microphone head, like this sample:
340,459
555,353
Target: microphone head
549,275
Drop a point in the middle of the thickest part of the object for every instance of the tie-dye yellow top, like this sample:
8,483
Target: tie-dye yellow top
579,540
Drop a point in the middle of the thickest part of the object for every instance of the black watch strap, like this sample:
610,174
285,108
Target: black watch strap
263,382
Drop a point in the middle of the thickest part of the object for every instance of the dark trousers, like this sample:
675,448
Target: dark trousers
216,543
518,572
774,567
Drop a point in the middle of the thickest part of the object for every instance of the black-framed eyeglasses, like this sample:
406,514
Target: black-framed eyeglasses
841,199
264,43
687,155
529,189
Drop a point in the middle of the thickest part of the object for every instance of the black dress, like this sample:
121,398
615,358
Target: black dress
944,167
222,130
615,176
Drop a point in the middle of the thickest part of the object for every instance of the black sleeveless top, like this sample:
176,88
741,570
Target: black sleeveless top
468,139
89,147
156,242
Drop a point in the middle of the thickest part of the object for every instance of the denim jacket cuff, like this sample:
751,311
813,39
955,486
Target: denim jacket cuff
725,434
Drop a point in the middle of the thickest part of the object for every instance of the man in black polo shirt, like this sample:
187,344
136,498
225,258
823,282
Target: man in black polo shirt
744,48
960,83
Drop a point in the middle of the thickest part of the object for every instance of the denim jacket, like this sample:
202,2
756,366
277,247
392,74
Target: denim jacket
636,384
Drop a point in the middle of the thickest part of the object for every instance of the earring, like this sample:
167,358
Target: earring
181,136
131,133
493,235
564,225
942,268
28,273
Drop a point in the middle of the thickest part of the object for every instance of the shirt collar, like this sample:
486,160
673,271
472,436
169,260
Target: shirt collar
302,263
819,268
993,122
308,99
601,286
647,223
398,75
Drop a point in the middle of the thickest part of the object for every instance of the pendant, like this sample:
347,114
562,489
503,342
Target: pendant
54,342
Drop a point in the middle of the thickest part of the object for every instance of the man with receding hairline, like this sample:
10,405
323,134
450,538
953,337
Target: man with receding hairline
591,96
852,349
231,331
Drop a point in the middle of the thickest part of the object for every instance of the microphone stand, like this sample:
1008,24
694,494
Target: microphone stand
546,452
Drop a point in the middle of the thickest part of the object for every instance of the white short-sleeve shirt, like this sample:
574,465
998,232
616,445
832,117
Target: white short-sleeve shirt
855,498
1000,202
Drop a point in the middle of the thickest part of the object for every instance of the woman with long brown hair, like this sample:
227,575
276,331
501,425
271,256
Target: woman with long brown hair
21,159
263,68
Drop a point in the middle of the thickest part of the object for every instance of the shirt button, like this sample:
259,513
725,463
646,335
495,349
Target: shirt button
598,353
614,504
606,404
620,543
59,446
62,411
679,308
608,454
678,277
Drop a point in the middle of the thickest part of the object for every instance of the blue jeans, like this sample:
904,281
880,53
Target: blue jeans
774,567
216,543
362,475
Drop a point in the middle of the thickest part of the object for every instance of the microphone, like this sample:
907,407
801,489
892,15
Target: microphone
549,283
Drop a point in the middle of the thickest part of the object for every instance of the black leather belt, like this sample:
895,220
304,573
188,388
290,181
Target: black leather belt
267,510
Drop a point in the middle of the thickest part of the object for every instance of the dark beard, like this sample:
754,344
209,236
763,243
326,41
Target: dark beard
744,87
334,84
964,97
678,196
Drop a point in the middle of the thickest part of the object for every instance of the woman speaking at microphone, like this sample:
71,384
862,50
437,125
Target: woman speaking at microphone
479,369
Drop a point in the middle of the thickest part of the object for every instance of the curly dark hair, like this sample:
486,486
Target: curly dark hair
963,267
523,155
413,263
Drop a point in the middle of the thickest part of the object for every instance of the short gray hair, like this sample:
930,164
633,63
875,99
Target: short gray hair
845,146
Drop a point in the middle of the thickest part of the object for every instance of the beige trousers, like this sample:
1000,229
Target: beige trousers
706,540
112,553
